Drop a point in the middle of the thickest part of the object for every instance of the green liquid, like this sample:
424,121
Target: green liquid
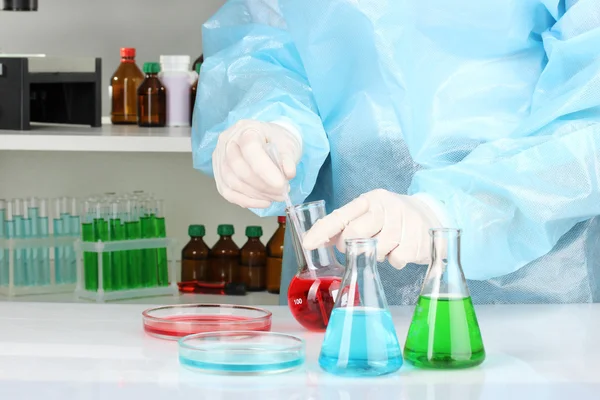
444,334
101,233
119,258
133,230
161,254
90,260
149,271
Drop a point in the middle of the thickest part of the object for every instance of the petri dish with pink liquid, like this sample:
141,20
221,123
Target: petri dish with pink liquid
177,321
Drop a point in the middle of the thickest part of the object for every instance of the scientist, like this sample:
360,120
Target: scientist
406,115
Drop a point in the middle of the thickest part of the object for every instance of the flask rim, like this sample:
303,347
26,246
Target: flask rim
445,231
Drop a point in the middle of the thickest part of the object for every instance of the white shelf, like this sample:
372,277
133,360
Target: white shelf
110,138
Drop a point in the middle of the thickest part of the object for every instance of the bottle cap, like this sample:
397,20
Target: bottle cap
281,220
151,68
225,230
196,230
127,52
254,231
175,63
235,289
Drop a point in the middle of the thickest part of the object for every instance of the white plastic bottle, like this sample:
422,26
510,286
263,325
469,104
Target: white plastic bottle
178,79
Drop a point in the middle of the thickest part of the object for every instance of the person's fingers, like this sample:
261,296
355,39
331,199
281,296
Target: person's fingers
252,146
288,165
333,224
231,180
242,200
365,226
411,249
242,170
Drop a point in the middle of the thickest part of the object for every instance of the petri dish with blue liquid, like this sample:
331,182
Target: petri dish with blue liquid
241,352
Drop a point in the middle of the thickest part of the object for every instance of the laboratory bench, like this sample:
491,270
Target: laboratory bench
100,351
250,299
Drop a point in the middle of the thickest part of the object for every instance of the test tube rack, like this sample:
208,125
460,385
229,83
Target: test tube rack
40,267
101,248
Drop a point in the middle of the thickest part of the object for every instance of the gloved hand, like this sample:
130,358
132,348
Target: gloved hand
400,223
244,172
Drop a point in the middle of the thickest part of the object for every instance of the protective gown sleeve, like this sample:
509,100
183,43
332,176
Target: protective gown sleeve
514,198
252,70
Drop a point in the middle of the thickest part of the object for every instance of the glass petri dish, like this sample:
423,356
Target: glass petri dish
241,353
174,322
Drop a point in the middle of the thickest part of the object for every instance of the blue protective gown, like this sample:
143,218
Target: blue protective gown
491,107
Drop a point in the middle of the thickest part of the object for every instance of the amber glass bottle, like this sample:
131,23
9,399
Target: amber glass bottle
225,257
275,257
253,261
194,257
152,98
193,91
124,85
197,61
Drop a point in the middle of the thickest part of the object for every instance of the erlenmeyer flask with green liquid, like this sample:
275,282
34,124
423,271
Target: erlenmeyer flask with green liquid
444,333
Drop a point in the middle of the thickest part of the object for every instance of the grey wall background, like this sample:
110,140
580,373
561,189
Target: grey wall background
101,27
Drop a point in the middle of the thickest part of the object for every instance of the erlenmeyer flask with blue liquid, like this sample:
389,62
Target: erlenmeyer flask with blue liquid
360,339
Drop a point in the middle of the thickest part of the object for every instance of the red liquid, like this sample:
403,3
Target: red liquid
182,325
311,300
202,287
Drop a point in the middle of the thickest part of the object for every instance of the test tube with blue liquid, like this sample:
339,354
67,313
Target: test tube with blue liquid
74,230
59,251
43,231
9,231
20,264
3,252
30,212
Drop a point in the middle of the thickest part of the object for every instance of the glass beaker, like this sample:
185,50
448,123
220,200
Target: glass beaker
361,339
312,292
444,332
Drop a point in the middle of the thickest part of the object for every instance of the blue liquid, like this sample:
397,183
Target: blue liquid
75,230
360,341
59,252
241,359
3,253
29,278
273,365
20,254
44,252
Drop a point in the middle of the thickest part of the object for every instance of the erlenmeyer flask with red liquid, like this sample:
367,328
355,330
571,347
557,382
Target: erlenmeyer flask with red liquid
312,292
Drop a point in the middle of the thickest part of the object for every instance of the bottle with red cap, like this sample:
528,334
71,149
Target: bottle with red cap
275,257
123,89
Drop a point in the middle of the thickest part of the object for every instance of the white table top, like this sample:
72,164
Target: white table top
91,351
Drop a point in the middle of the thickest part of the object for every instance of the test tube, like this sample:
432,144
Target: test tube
9,232
101,232
19,255
29,277
133,231
43,252
74,230
3,252
90,259
149,256
119,258
160,231
34,262
59,251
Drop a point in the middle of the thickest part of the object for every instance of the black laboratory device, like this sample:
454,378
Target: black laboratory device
20,5
49,90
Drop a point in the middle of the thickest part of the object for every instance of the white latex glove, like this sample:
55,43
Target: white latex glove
400,223
244,172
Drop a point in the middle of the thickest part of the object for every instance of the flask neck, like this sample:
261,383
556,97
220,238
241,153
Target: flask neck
445,247
445,277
